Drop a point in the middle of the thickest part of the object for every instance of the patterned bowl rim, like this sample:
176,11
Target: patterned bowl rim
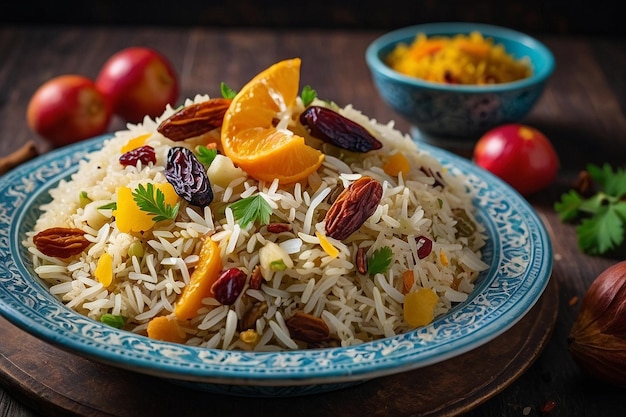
518,249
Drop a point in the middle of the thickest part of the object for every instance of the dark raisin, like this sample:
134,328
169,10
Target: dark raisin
188,177
145,154
424,246
331,127
229,285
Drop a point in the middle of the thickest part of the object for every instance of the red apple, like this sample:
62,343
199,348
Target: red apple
138,81
67,109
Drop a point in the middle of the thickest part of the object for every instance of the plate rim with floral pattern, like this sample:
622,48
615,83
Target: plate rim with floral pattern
518,249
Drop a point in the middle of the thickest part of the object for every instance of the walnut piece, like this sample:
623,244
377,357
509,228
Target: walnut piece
307,328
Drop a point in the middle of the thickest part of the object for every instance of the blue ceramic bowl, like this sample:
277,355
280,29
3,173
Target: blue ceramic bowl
460,113
518,251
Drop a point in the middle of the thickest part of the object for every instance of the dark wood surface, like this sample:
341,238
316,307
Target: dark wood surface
583,111
68,384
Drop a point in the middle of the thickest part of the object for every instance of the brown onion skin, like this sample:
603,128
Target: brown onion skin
597,340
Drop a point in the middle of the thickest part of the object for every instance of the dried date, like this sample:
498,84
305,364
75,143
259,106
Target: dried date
188,177
61,242
145,154
195,119
353,207
331,127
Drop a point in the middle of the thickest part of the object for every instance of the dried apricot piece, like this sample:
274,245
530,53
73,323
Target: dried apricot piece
202,278
167,329
419,307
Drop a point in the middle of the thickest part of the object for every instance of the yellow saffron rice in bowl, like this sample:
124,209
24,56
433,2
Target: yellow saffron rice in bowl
460,59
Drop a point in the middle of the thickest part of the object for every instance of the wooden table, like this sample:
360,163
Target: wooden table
583,111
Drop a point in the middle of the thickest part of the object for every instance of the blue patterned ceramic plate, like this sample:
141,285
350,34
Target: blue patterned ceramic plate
519,252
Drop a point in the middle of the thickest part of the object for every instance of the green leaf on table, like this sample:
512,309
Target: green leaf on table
601,233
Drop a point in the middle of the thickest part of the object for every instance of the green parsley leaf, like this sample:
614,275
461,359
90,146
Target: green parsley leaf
380,261
568,207
113,320
206,155
226,91
308,95
145,199
251,209
602,216
601,233
612,182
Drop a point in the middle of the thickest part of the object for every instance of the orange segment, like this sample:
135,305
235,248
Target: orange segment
252,140
202,278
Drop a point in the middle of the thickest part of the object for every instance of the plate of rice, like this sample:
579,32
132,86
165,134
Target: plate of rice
182,265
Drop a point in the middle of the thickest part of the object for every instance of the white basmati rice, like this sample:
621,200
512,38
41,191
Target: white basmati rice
355,307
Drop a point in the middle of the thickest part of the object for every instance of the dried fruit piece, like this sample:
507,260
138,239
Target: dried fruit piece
61,242
167,329
396,164
328,247
419,307
188,177
135,142
361,261
408,279
195,119
279,227
424,246
229,285
331,127
353,207
201,281
129,217
104,270
250,337
597,340
145,154
307,328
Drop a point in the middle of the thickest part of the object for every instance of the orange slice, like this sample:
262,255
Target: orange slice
251,138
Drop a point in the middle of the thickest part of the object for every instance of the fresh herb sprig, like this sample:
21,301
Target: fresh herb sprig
226,91
252,209
380,260
602,216
154,204
113,320
206,155
307,95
